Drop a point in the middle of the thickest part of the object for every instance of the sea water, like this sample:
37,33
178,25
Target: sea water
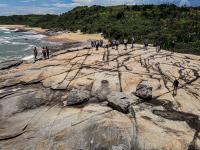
19,45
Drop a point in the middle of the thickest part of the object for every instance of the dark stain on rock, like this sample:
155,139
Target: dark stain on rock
168,105
191,119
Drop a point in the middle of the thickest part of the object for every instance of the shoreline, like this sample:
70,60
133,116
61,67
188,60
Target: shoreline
58,40
24,28
60,36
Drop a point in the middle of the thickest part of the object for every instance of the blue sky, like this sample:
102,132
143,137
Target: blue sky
10,7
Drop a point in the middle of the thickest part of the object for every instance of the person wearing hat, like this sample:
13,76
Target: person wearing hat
175,84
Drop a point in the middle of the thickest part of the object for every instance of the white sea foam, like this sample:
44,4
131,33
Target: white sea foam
28,57
4,41
32,36
29,47
7,32
4,29
18,43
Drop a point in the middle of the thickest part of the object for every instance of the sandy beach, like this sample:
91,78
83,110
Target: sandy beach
75,37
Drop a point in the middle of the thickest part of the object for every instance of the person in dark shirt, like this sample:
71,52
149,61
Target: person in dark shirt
173,46
175,84
35,52
101,43
158,46
97,45
117,44
44,53
113,43
125,44
133,42
146,44
47,52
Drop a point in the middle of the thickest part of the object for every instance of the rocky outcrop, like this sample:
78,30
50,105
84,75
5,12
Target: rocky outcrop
32,115
76,97
18,100
10,63
119,101
144,90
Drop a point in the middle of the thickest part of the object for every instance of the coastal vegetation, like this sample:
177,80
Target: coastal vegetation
164,22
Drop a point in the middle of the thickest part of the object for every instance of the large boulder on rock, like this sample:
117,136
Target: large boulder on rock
144,90
76,97
119,101
103,91
10,63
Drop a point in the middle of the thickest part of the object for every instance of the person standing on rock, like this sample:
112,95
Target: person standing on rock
44,53
97,45
101,43
113,43
125,44
146,44
47,52
92,44
158,46
133,42
175,84
173,46
117,44
35,53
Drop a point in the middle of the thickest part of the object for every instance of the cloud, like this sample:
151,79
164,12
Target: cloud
106,2
76,3
184,3
27,1
3,5
6,11
64,5
60,6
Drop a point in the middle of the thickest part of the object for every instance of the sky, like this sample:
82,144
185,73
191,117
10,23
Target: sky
19,7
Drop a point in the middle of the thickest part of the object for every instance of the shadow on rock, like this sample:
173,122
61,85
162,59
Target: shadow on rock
191,119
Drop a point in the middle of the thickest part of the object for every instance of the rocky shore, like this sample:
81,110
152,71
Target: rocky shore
86,99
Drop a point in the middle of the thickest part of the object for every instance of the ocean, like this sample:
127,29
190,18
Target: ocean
19,45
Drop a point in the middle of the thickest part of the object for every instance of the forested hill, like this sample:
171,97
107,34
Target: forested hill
164,22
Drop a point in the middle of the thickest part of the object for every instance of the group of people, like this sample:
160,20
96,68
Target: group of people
97,44
45,53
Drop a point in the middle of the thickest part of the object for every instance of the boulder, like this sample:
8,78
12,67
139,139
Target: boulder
76,97
119,101
10,63
103,91
144,90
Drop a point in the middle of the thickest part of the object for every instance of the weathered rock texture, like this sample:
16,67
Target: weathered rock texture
31,96
119,101
144,90
77,97
9,63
